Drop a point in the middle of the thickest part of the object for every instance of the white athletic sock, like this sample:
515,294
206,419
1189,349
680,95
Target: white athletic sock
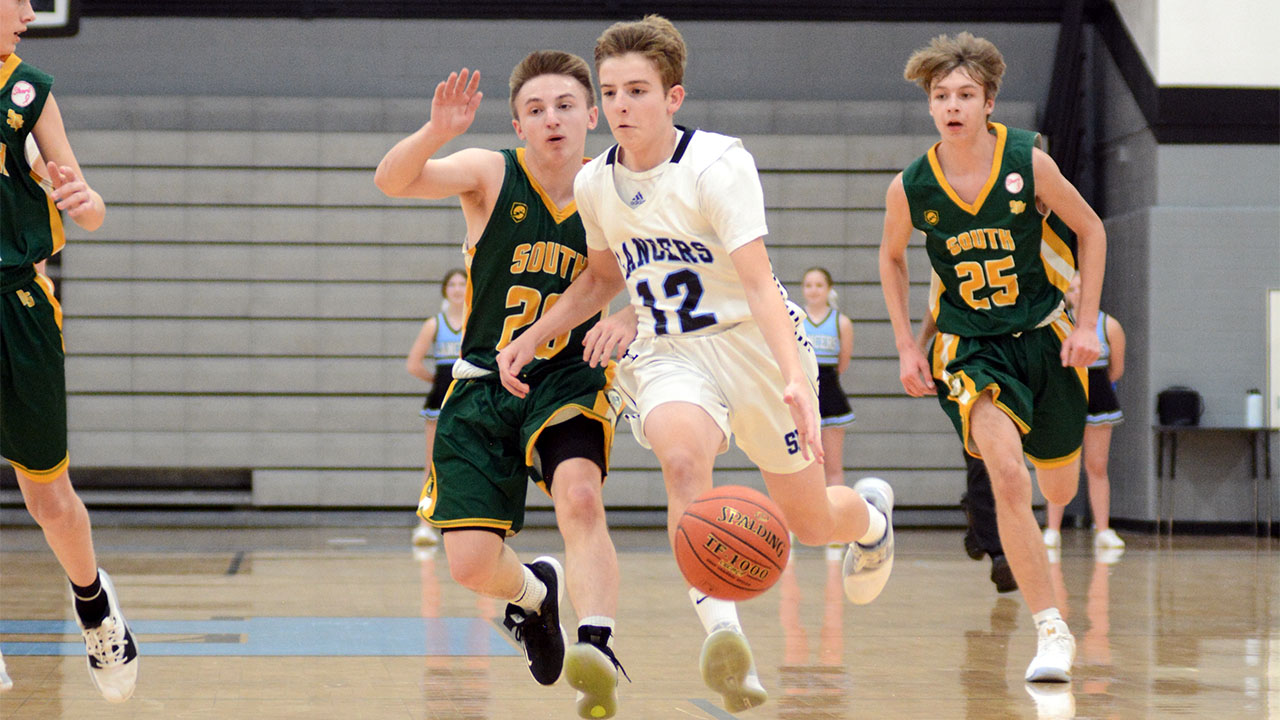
875,527
1046,615
532,593
715,614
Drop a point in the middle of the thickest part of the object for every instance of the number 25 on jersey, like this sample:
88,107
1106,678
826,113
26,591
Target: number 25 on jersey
996,274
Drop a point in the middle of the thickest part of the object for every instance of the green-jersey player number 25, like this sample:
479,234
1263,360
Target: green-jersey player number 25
996,274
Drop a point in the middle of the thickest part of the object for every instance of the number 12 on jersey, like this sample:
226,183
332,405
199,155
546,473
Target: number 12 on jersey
681,281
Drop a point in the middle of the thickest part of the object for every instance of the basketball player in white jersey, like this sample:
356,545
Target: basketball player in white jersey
677,217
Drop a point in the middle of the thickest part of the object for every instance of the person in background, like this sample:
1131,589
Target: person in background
831,333
441,338
1104,414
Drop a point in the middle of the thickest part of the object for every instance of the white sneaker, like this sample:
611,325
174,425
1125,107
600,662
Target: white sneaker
112,651
1055,651
867,569
728,668
1052,539
1107,540
425,536
1053,702
6,682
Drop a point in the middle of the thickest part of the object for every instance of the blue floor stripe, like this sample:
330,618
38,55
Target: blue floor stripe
281,636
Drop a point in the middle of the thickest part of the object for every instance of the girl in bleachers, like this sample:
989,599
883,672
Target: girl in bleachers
832,336
440,337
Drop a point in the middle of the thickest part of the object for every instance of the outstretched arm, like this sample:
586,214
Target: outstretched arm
770,313
586,296
1058,194
913,369
407,170
70,190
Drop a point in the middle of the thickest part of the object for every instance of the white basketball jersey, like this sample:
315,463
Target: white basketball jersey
674,247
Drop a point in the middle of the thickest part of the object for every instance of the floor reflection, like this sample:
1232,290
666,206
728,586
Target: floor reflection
453,686
814,681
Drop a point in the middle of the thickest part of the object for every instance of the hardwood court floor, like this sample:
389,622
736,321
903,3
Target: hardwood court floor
347,624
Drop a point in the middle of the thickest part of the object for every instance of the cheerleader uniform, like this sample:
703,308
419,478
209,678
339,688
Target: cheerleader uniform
1104,406
447,348
833,405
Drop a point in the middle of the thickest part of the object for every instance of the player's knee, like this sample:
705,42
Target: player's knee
1059,493
580,503
1010,488
470,570
54,508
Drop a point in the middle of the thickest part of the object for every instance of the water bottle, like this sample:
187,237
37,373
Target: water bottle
1253,409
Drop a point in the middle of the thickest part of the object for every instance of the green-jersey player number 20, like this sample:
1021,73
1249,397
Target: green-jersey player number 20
996,274
532,305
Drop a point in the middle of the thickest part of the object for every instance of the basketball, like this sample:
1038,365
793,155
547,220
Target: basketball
731,543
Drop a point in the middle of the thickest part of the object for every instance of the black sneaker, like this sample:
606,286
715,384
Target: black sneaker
1002,574
592,669
540,634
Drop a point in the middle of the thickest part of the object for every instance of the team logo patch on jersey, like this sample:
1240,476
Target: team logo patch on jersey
23,93
931,217
15,120
1013,183
1017,206
519,211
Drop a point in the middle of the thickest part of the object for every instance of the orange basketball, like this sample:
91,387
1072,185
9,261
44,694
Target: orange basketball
731,543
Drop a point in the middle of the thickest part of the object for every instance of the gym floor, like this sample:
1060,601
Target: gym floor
346,623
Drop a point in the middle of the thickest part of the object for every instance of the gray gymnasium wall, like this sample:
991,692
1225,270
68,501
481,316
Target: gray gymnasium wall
406,58
1194,242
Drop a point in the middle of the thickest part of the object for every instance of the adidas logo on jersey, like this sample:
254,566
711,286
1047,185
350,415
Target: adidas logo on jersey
637,200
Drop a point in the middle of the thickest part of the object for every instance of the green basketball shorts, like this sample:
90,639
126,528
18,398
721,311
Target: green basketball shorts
1026,379
484,452
33,384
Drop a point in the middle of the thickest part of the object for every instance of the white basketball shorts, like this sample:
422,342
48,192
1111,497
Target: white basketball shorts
733,377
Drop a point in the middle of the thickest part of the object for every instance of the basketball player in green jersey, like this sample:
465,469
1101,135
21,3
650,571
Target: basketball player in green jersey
1012,362
33,396
525,244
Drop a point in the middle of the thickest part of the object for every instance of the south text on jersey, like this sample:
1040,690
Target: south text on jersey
981,239
549,257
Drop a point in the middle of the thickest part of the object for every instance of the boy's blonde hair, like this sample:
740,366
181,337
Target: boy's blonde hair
979,58
550,62
655,38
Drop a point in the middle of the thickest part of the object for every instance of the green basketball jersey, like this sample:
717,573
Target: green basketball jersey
30,225
529,253
1002,267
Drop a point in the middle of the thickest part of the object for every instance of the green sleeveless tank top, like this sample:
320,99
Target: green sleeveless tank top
1002,266
30,224
529,253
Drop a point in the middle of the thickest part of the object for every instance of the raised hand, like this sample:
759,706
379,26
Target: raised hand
453,108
